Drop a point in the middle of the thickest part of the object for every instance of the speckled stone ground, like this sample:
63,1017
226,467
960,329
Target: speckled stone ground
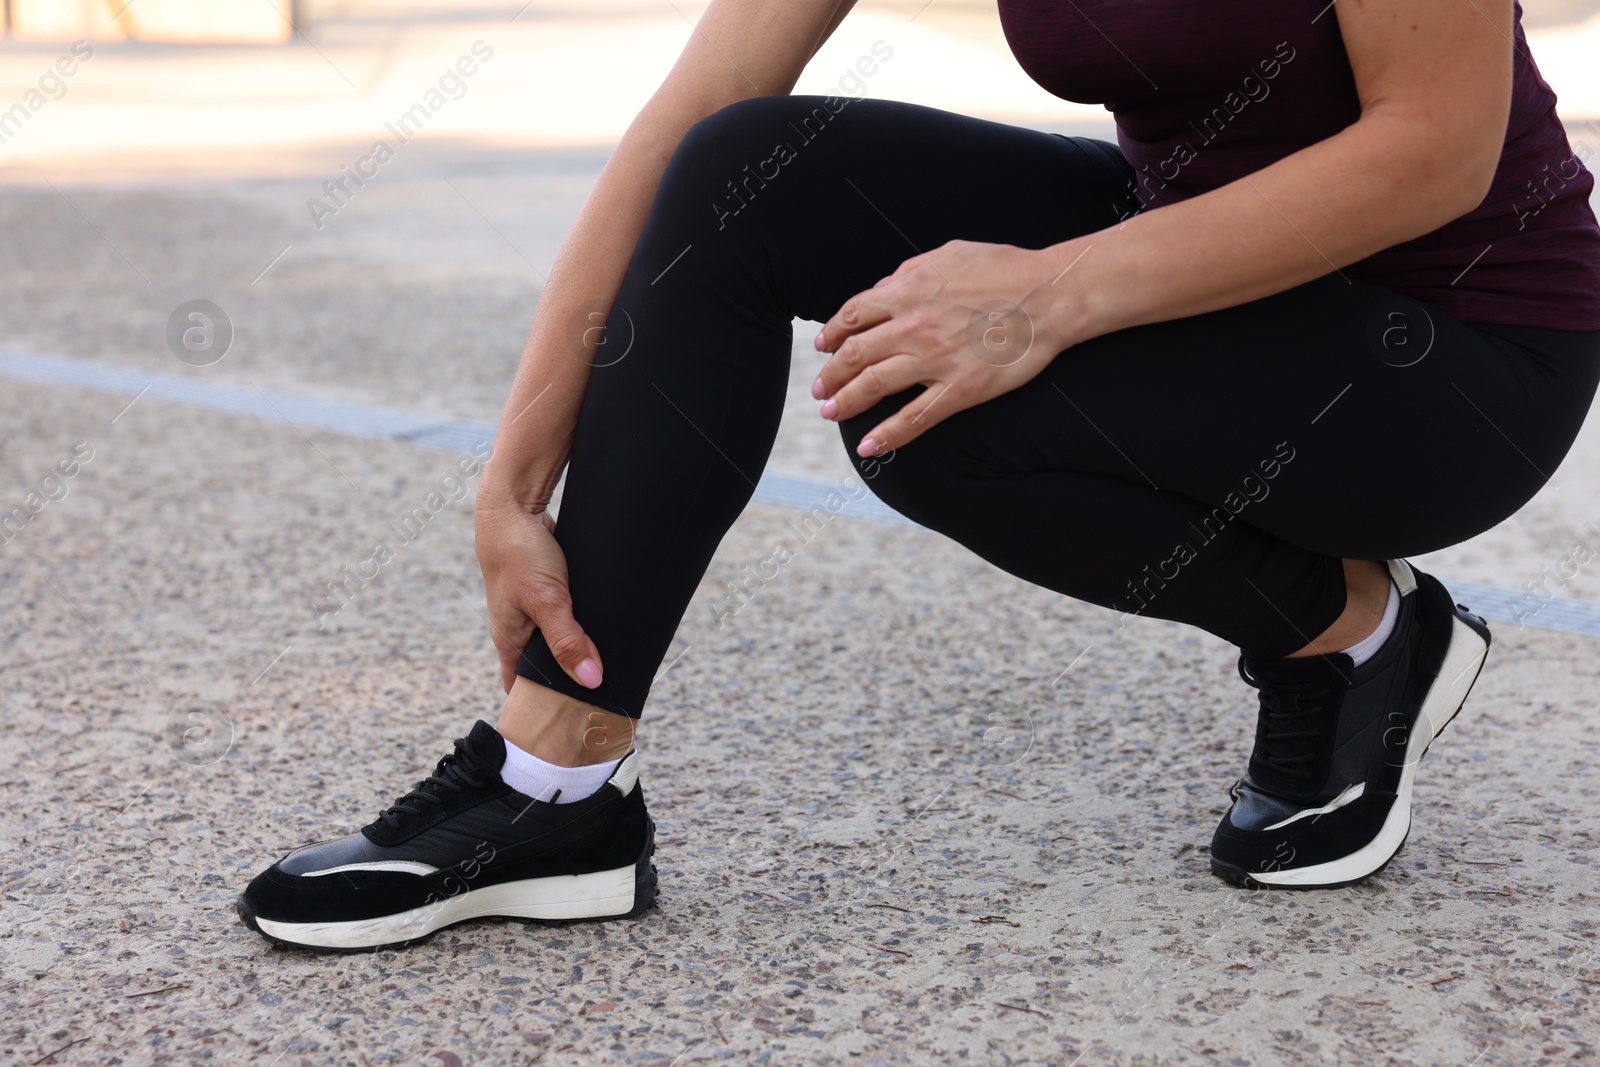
912,810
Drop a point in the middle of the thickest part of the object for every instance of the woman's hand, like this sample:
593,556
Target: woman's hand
968,320
525,580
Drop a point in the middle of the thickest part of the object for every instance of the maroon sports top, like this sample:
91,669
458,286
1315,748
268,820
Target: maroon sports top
1204,92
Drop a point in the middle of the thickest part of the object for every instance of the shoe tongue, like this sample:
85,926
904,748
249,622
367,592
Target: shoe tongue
487,746
1288,675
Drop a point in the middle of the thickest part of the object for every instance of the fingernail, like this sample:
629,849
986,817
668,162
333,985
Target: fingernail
588,673
830,409
816,342
816,388
867,447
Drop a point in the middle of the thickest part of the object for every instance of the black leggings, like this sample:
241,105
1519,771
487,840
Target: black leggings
1213,469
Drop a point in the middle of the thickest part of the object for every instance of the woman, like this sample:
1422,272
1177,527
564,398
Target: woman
1329,302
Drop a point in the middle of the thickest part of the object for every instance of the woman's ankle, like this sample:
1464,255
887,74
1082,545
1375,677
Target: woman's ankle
1366,595
563,730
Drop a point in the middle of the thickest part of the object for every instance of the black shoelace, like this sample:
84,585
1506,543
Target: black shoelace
1286,730
456,773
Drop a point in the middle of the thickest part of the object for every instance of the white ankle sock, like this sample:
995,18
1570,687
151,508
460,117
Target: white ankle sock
528,774
1363,649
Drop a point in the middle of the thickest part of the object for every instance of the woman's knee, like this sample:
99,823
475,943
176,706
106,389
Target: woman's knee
738,140
735,156
917,480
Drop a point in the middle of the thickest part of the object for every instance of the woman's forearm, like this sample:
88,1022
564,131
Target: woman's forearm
541,412
1379,182
739,49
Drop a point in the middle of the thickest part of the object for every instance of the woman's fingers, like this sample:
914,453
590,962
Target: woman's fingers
931,407
510,638
861,312
876,381
550,606
889,339
525,579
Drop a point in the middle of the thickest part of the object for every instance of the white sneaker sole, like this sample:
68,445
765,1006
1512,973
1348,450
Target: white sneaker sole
601,895
1462,662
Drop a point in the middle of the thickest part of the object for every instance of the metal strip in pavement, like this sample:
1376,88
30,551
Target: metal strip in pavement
1566,614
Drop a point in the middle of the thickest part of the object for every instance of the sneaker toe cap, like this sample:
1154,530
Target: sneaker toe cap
1305,842
283,896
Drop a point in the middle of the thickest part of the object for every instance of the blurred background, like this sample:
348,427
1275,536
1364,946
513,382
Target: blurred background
263,87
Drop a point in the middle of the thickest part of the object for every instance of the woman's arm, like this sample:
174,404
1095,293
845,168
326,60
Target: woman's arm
739,49
1434,80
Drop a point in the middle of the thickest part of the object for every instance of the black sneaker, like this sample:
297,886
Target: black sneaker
463,845
1327,798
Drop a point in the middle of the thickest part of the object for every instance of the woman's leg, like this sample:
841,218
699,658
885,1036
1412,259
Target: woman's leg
1226,470
1222,470
770,209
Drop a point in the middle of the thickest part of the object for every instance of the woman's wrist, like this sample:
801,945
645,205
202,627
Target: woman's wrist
527,489
1065,307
